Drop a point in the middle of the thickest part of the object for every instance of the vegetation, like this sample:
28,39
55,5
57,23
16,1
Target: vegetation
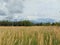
43,35
27,23
18,23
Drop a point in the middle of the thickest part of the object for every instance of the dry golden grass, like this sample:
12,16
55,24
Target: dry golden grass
34,35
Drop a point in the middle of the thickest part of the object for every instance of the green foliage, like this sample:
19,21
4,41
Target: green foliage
27,23
19,23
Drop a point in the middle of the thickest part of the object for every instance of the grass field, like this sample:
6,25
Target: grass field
35,35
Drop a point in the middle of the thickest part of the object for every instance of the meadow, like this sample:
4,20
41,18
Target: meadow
31,35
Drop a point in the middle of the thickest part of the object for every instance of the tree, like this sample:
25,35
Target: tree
26,23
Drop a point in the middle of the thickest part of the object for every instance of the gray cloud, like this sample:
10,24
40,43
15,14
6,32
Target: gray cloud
2,13
8,8
15,6
30,9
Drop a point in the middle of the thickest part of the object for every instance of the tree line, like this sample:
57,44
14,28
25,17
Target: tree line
27,23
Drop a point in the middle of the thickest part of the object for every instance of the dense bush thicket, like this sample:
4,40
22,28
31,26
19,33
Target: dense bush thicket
19,23
27,23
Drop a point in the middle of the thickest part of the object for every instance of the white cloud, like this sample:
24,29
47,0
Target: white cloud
31,9
42,8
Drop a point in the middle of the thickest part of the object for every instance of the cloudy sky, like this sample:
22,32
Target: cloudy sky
29,9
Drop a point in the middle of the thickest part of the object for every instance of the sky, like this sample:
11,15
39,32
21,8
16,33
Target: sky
29,9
